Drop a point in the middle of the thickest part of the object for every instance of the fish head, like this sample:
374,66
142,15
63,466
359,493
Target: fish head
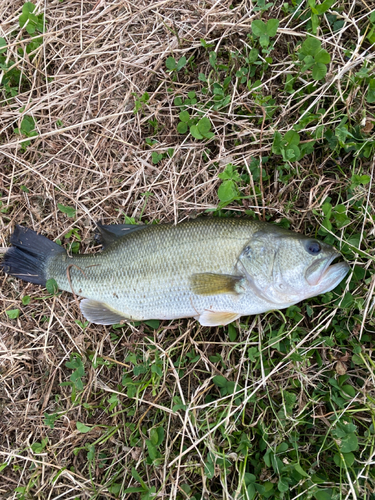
284,267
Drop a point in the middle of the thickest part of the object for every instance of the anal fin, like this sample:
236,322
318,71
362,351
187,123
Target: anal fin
214,318
100,313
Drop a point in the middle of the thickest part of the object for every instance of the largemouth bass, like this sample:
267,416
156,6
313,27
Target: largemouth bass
212,269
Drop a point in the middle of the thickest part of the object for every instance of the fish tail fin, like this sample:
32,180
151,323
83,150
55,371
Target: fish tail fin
28,256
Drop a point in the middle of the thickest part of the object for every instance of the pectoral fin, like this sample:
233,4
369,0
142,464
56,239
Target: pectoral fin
100,313
216,284
213,318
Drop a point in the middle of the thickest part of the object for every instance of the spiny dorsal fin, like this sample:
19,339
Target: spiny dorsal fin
216,284
214,318
110,233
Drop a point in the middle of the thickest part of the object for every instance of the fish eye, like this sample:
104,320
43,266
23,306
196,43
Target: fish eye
313,247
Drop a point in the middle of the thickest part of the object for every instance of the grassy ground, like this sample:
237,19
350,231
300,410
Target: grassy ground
162,111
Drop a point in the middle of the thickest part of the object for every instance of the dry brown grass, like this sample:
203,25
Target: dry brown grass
90,153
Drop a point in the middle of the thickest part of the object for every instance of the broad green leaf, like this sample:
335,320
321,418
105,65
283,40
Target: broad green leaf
209,469
82,428
230,173
40,24
156,157
277,143
39,447
26,300
13,313
27,124
322,56
291,153
258,28
152,450
232,332
341,132
249,478
31,28
299,469
310,46
264,40
152,323
3,44
319,71
154,438
271,27
357,360
324,494
204,125
309,61
253,55
349,389
251,491
195,132
327,225
344,459
327,209
155,368
212,58
69,211
282,447
349,443
292,138
283,485
323,7
184,116
181,63
28,7
253,353
182,127
171,63
360,179
23,19
157,435
227,191
314,22
52,286
220,381
138,478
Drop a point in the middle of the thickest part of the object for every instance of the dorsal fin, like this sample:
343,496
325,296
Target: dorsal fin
110,233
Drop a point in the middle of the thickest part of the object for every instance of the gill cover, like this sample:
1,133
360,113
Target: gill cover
261,267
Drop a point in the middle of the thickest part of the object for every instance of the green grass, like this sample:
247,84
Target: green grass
267,111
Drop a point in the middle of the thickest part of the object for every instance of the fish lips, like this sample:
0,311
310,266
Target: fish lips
325,277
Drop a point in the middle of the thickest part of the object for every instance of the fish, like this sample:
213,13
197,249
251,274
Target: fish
212,269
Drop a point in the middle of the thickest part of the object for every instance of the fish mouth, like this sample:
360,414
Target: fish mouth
325,276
